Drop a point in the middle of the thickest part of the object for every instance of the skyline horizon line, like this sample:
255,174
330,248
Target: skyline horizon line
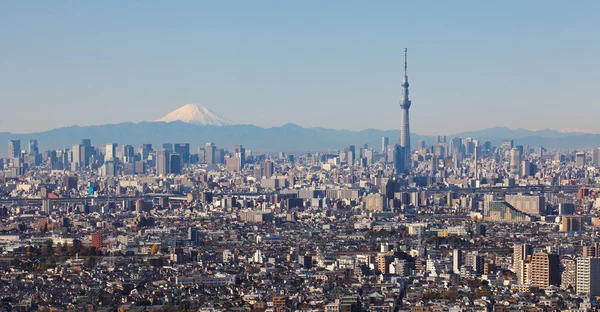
564,130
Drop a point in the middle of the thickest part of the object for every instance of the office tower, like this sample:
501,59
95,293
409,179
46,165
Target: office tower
385,141
183,149
144,151
596,157
588,276
168,147
219,156
515,159
14,148
527,168
233,163
530,204
76,156
405,124
240,152
545,269
111,151
70,182
86,142
399,159
33,147
269,168
580,159
476,160
108,169
162,162
176,163
128,154
456,260
85,154
210,153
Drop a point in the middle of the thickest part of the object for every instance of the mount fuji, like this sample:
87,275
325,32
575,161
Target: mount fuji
197,115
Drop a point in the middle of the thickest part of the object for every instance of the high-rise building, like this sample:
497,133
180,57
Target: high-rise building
476,160
400,159
545,269
530,204
86,142
568,277
163,166
571,224
144,151
98,240
168,147
14,148
76,156
596,157
515,160
385,141
183,149
210,153
111,151
588,276
33,147
405,123
176,163
521,253
269,168
239,151
456,260
580,159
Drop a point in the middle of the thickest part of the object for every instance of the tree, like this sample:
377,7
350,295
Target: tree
77,245
155,249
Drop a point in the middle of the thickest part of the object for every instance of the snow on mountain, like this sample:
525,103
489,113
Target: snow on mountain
196,114
574,130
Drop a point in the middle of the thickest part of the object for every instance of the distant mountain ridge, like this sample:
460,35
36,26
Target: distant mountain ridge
288,138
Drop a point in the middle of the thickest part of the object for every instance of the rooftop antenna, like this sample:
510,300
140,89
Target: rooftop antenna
405,61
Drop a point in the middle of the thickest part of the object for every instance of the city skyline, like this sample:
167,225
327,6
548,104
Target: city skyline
267,61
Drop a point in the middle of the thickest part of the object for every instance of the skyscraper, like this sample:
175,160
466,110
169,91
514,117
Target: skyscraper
14,148
111,149
33,147
183,149
596,156
210,153
404,124
163,166
515,161
384,144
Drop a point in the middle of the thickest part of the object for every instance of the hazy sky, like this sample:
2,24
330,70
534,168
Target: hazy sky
338,64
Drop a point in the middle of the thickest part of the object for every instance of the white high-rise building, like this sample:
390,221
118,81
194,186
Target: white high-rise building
588,276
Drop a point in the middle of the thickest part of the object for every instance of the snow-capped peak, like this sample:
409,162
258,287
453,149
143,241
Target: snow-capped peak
196,114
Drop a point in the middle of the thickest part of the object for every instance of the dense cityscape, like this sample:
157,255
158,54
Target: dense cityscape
452,225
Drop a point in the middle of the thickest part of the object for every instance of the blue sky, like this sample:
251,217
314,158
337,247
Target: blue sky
337,64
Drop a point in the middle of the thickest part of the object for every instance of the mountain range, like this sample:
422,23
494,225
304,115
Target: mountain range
197,125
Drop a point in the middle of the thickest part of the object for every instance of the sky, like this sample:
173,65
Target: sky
336,64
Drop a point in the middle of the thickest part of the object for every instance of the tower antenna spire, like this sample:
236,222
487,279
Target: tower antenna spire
405,62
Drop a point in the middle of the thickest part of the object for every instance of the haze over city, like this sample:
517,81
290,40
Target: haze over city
213,171
473,64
